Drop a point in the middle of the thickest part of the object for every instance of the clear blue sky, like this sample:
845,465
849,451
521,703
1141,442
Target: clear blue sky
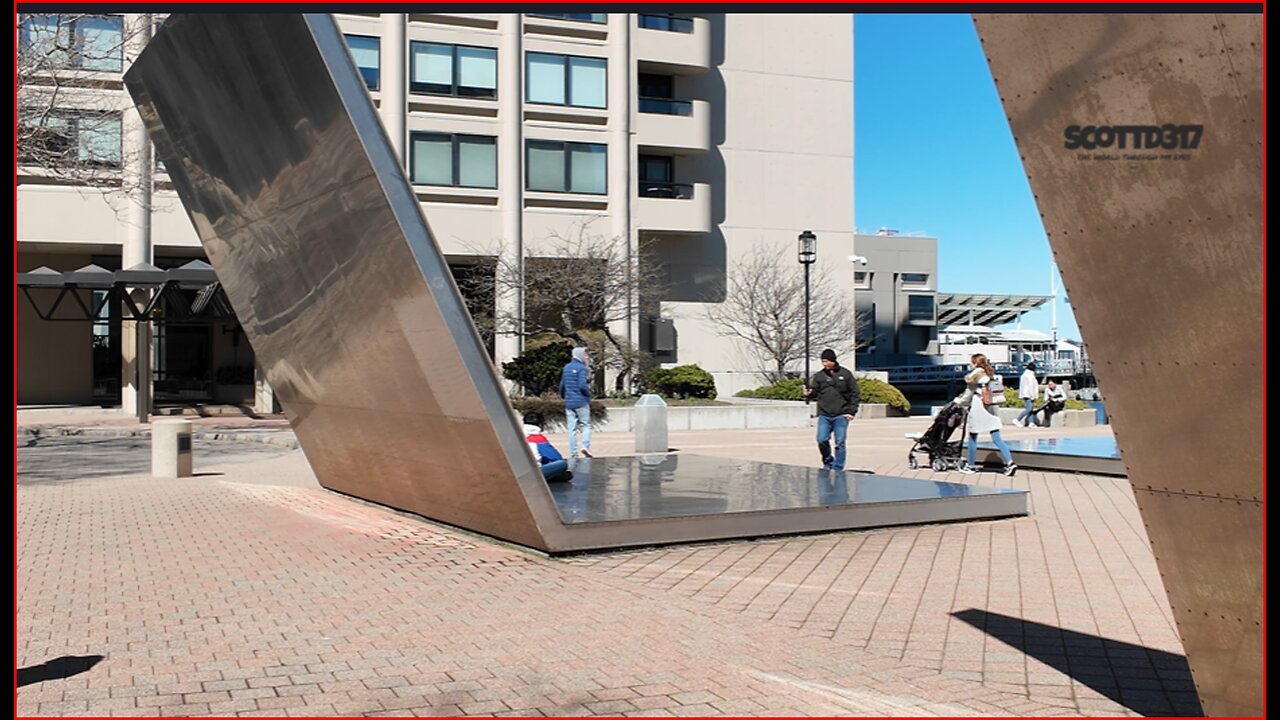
933,154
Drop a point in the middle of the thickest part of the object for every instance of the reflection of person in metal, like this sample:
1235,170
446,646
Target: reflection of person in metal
982,417
833,488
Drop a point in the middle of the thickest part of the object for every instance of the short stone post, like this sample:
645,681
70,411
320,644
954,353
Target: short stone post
651,425
171,448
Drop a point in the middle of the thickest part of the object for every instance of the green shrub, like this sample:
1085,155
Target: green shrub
871,391
782,390
538,369
878,391
682,381
1011,400
552,408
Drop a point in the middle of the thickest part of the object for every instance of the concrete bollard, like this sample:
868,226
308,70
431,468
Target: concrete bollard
171,448
651,425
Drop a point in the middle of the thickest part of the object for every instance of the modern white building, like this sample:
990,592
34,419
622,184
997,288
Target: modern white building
700,137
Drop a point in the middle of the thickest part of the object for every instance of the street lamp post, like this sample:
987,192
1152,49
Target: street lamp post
807,251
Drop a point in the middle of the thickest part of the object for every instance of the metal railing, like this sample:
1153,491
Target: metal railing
669,190
670,23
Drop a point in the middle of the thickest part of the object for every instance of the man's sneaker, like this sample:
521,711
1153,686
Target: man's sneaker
586,453
1010,469
968,470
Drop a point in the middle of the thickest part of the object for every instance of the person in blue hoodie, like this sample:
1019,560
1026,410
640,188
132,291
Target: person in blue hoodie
575,388
554,467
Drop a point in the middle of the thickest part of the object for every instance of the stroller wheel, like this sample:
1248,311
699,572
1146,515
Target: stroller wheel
912,462
938,464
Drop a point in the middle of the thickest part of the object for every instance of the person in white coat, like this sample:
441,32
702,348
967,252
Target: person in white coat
982,416
1028,389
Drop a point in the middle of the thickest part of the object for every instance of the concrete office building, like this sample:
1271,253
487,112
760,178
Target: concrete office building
697,136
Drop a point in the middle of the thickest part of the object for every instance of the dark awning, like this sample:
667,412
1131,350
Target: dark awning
164,302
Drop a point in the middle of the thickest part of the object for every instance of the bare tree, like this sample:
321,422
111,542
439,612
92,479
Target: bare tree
764,308
577,286
71,100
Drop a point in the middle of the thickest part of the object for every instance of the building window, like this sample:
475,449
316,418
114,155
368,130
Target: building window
584,17
916,280
919,307
366,52
85,42
668,22
453,160
566,167
862,280
657,179
459,70
565,80
66,137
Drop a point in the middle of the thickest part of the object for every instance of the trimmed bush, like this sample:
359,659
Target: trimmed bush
1011,400
682,381
871,391
552,408
537,370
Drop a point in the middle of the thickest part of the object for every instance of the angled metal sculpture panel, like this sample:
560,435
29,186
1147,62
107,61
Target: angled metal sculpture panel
273,144
271,140
1141,136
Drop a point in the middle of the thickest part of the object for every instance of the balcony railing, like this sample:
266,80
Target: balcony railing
668,190
598,18
670,23
663,106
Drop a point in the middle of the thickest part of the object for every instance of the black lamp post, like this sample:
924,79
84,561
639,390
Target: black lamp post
807,252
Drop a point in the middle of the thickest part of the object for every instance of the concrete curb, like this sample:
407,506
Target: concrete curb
277,439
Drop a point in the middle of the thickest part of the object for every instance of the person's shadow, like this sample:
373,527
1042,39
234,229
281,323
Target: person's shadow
57,669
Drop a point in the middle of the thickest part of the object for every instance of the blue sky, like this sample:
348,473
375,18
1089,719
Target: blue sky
933,154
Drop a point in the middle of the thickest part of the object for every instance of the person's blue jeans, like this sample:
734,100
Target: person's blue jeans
995,438
827,425
573,419
554,468
1029,415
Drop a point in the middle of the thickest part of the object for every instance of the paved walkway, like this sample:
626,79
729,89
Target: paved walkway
250,590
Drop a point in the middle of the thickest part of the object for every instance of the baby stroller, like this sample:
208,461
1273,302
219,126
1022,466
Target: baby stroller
944,453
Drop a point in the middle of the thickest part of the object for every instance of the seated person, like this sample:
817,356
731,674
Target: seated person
1055,399
554,467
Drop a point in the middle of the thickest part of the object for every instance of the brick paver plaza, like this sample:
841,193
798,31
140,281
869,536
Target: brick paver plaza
249,590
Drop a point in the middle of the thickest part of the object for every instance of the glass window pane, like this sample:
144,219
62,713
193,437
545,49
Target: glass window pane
545,78
99,139
587,82
41,38
364,51
478,69
546,166
587,168
100,41
432,160
477,162
432,64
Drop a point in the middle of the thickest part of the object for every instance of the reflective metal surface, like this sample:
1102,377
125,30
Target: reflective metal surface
1094,455
1161,252
280,160
658,486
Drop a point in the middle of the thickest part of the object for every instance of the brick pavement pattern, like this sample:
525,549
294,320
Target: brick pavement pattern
254,592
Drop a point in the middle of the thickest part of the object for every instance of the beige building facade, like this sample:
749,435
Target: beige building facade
698,137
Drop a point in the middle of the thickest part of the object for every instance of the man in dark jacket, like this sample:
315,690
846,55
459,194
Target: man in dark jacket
575,388
837,392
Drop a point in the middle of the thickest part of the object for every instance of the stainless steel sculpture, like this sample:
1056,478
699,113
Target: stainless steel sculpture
1142,138
275,148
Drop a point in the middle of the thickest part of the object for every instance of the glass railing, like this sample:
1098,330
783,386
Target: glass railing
584,17
670,23
669,190
663,106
